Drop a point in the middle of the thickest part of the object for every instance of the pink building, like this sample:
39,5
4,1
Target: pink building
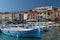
32,14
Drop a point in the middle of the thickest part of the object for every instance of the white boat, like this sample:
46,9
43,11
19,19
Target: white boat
16,30
43,26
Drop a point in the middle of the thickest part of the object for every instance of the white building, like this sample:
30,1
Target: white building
45,8
41,9
25,16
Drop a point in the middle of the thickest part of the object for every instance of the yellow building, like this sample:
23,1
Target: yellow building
6,16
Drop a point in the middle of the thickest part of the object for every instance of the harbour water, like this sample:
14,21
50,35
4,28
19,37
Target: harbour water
53,34
6,37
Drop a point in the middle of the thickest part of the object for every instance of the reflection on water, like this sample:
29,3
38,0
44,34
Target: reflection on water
6,37
54,34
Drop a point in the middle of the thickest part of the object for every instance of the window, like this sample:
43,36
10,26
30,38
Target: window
48,13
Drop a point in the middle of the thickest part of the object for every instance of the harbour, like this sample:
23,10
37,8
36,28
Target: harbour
41,23
53,34
50,31
29,20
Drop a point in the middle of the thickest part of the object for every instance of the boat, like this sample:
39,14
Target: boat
16,30
43,26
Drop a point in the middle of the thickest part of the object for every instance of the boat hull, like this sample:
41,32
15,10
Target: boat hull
30,33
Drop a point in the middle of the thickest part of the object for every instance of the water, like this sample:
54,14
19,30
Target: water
6,37
54,34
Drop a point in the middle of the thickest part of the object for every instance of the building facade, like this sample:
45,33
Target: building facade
32,14
39,14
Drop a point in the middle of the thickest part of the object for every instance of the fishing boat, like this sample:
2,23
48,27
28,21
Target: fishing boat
18,31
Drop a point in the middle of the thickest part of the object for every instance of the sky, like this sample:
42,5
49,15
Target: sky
16,5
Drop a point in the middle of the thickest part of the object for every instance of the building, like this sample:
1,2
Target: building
6,16
44,13
25,16
0,17
41,13
32,14
45,8
57,14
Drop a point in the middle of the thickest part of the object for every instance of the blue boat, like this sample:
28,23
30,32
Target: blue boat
22,32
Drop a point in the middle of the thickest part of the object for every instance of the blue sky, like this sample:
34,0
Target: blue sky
15,5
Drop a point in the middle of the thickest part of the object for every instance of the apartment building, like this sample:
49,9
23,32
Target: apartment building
44,12
32,14
40,13
6,16
57,14
0,17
